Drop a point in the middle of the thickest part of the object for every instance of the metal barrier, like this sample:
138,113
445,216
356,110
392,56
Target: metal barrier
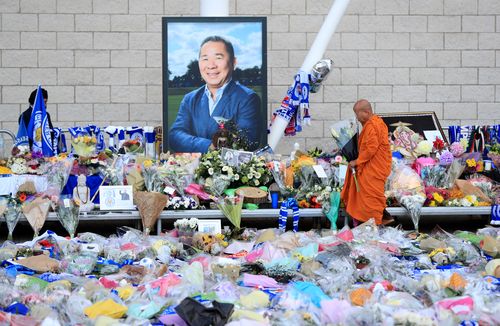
3,153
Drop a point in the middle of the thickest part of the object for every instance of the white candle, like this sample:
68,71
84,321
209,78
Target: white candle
214,8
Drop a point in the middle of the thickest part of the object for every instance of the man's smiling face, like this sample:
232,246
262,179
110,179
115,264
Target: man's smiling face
215,64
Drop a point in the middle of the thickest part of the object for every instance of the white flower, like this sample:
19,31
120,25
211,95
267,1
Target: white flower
258,175
236,177
210,171
193,223
256,182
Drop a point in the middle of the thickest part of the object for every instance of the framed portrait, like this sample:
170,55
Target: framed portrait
214,73
234,157
424,123
116,198
210,226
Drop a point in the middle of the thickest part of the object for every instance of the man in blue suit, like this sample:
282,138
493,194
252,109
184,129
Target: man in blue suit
221,96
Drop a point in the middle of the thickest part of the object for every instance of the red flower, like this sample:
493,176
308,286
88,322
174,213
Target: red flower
22,197
438,144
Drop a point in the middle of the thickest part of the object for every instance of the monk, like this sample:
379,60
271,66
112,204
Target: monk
372,167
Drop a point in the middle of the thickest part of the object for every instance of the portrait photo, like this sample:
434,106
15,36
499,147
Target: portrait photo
214,76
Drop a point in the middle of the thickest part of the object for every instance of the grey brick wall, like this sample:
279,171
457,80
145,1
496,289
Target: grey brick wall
101,59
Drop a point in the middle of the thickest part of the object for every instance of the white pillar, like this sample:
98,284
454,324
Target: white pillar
315,54
214,8
325,34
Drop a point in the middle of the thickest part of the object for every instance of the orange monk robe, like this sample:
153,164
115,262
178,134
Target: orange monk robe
372,169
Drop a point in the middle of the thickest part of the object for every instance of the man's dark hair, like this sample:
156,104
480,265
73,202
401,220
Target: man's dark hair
227,44
31,99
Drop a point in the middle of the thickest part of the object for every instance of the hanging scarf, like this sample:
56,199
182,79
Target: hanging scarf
290,203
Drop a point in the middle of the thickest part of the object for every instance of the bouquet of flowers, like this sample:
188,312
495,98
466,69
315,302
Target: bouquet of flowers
231,208
133,146
436,196
152,179
150,205
407,187
186,229
12,211
494,154
186,225
253,173
36,213
345,135
435,176
112,172
57,171
68,213
184,202
283,176
84,145
17,165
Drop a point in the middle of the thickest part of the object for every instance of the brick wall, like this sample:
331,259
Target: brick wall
101,59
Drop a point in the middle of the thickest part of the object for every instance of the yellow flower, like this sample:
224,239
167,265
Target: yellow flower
471,162
432,203
464,142
148,163
437,197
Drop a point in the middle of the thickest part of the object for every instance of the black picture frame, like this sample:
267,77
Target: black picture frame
419,121
174,89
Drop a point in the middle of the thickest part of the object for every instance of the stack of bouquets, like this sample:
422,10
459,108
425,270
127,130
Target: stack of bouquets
408,189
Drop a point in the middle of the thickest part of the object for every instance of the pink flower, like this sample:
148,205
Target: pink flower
338,159
457,149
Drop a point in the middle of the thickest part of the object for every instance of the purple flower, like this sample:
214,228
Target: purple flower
446,158
36,154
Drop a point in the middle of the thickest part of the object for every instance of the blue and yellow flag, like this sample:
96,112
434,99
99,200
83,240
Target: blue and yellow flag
38,128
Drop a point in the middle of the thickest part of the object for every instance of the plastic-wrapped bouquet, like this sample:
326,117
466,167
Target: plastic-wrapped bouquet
186,225
68,213
152,179
494,155
12,211
345,134
231,208
84,145
407,187
36,213
57,171
435,175
186,229
133,146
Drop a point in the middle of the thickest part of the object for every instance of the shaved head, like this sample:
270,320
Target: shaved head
363,105
363,111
